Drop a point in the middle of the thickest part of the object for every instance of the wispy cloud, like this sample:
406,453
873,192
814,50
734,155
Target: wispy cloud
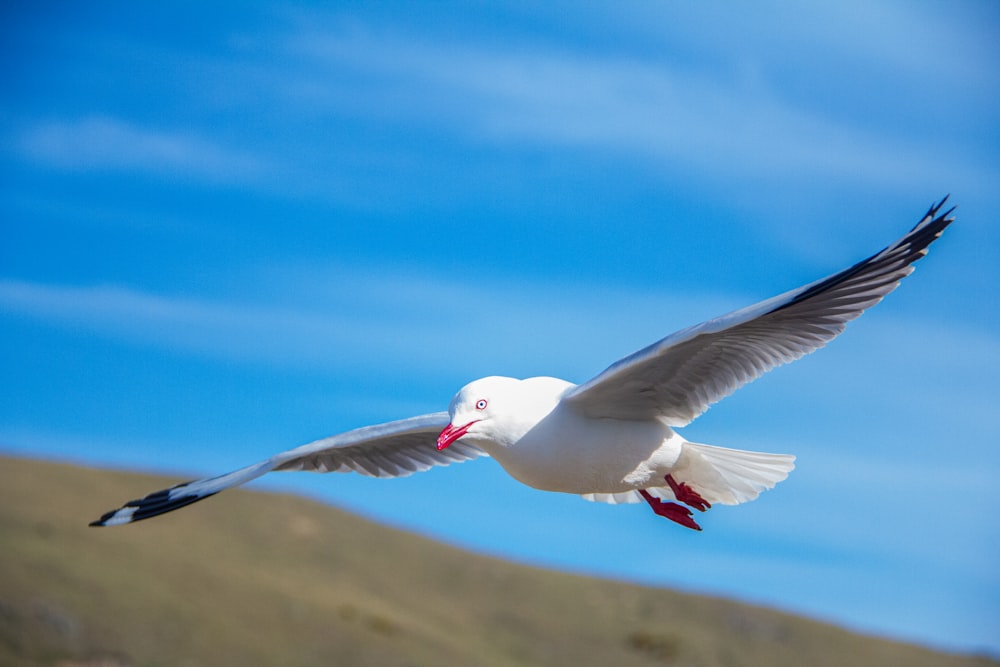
104,143
390,319
385,321
718,122
682,117
256,334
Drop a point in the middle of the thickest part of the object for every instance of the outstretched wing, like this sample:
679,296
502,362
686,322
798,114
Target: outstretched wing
394,449
678,377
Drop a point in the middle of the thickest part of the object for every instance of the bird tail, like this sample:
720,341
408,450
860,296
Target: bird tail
730,476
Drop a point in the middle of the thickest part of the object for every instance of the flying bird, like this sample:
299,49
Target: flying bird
612,438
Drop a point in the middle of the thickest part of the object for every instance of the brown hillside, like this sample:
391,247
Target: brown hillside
260,579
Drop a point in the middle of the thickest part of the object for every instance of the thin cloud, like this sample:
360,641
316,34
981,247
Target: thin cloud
370,320
389,320
103,143
682,117
249,333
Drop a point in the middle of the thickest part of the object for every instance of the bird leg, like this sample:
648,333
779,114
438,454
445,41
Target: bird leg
687,495
673,511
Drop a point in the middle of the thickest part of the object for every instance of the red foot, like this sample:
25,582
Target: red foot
687,495
673,511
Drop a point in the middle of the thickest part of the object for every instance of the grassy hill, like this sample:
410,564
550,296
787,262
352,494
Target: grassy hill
261,579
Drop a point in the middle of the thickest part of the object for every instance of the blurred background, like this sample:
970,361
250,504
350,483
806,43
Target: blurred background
227,230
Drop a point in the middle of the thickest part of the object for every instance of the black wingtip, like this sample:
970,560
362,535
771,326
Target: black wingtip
934,214
155,504
915,245
104,518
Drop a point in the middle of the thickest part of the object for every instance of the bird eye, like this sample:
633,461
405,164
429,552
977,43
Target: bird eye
481,404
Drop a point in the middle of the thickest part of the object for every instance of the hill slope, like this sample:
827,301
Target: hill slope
262,579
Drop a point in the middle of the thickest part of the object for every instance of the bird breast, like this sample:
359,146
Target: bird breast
565,451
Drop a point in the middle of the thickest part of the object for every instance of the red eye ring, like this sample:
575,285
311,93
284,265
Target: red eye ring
481,404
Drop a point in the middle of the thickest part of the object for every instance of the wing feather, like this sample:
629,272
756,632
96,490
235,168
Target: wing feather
678,377
393,449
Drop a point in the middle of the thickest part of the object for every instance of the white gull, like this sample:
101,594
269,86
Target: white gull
612,438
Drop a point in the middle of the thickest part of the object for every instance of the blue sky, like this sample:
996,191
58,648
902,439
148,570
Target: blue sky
228,231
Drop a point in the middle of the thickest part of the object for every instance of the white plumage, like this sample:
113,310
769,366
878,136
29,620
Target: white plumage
611,438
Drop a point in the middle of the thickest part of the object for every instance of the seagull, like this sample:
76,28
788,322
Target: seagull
612,438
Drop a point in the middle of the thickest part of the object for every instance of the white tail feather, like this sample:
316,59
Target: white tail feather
720,475
730,476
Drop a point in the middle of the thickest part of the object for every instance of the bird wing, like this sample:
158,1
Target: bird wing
678,377
393,449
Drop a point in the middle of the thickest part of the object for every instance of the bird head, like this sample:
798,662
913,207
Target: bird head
498,411
473,409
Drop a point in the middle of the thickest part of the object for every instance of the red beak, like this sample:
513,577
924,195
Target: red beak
451,433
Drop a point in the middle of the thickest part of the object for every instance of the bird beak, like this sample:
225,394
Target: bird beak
451,433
